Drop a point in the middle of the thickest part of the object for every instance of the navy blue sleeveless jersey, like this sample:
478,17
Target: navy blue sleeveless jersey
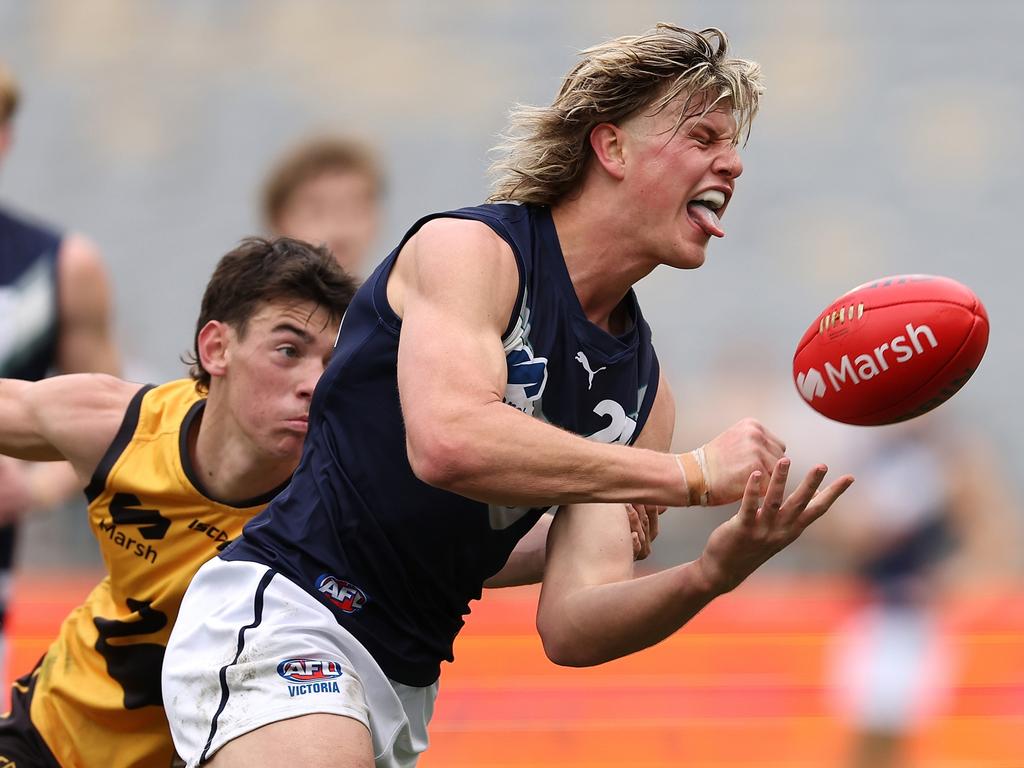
396,560
28,320
28,298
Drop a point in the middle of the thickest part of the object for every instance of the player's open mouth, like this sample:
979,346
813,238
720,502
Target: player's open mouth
702,210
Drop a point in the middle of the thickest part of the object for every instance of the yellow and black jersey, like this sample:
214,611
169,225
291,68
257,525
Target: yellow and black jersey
96,699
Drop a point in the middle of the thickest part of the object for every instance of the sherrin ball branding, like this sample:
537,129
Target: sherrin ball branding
891,349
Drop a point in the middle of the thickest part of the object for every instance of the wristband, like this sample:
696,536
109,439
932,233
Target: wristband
693,469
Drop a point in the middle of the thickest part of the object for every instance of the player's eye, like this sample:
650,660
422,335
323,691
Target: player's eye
288,350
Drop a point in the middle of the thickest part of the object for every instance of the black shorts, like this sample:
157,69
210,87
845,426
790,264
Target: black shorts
21,746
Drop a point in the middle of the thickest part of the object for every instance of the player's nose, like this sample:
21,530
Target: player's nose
728,163
311,373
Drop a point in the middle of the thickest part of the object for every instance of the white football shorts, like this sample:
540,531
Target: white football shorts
251,648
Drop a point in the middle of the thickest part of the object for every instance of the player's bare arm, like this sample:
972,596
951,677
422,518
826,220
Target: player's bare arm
73,417
86,342
526,563
454,286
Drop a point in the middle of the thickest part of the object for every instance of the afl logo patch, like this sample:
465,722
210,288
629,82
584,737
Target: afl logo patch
309,670
340,593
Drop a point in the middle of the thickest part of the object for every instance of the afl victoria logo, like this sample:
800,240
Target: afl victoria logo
309,670
811,384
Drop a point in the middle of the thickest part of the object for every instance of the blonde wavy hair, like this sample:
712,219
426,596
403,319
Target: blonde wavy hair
545,149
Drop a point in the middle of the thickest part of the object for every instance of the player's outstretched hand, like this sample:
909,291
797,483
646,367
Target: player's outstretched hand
758,530
732,457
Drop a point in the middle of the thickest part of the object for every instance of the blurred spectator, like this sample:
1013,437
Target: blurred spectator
54,316
327,191
930,513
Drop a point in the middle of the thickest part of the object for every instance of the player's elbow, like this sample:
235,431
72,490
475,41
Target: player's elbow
564,655
563,646
442,460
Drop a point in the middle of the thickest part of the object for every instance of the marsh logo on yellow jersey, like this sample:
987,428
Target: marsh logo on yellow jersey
126,510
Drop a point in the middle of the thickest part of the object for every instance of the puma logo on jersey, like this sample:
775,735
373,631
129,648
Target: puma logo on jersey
582,360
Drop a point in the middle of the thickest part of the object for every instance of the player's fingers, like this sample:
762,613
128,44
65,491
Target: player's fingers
801,497
637,547
652,521
774,444
824,499
634,518
776,492
638,524
748,505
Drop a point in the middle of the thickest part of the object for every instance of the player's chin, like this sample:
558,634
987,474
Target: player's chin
288,443
692,248
690,255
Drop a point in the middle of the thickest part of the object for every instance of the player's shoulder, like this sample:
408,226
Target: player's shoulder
79,260
12,219
454,245
449,231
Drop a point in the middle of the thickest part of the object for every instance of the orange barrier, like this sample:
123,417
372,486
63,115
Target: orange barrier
743,685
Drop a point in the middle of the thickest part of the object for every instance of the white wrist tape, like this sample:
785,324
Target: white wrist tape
693,468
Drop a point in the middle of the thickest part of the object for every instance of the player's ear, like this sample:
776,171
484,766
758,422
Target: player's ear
212,345
606,140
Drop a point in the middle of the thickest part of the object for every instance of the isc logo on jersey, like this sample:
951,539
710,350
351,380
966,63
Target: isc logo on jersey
342,595
312,675
868,365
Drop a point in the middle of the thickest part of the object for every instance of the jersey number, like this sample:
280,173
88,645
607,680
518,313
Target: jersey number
620,427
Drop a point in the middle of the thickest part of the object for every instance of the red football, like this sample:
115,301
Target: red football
891,349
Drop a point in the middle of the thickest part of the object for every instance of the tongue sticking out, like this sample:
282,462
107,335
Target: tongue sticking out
706,218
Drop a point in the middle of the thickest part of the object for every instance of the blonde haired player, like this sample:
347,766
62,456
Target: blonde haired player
317,637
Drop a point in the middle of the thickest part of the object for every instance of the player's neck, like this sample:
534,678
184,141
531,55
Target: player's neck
226,463
601,268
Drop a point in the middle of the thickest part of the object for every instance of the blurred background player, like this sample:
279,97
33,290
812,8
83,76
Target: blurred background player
172,474
931,516
327,190
55,315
